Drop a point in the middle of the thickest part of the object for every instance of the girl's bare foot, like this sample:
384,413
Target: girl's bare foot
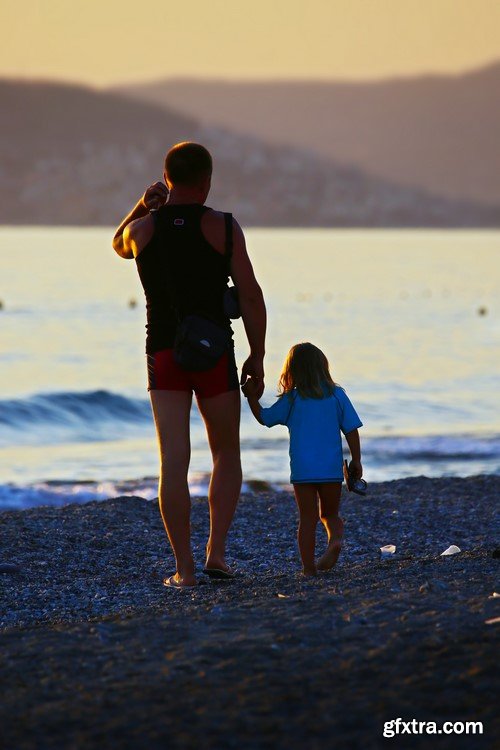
329,558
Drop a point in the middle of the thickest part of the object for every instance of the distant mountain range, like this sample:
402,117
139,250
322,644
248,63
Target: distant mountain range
439,133
75,155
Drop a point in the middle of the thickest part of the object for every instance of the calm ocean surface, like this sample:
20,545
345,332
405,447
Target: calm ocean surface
396,312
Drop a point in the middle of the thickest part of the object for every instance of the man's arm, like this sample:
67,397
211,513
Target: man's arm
253,309
154,197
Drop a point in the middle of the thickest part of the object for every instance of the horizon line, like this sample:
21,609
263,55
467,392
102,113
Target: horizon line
249,80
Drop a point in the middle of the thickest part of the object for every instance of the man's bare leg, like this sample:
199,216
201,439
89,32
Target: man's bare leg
329,497
171,414
222,421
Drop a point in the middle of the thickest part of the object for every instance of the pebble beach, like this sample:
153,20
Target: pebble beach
96,652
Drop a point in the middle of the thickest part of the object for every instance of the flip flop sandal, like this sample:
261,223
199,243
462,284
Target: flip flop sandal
358,486
219,573
171,583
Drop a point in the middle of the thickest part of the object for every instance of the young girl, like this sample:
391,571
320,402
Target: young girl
316,411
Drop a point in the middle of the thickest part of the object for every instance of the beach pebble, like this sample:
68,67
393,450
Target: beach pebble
9,568
440,585
451,550
433,585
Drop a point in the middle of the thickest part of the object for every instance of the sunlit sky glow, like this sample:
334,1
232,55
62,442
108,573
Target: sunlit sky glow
103,42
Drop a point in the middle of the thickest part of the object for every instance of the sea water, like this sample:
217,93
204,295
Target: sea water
408,319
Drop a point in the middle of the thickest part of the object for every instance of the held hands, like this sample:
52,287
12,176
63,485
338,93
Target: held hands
251,389
252,377
155,196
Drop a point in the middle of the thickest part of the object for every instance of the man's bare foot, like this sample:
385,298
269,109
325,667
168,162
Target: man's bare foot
309,572
329,558
215,559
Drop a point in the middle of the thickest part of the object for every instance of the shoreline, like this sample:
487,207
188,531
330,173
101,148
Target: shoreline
57,493
95,651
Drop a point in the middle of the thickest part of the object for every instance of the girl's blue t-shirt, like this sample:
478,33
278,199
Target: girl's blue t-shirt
315,426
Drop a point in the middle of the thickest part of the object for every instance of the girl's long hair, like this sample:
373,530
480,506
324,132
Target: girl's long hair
306,368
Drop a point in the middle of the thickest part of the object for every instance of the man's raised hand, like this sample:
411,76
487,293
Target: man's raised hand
155,196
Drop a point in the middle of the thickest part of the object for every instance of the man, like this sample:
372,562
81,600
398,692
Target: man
180,249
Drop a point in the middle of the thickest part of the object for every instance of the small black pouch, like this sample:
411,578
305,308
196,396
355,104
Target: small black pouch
199,343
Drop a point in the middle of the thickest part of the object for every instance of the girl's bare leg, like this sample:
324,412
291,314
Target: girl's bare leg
306,496
329,495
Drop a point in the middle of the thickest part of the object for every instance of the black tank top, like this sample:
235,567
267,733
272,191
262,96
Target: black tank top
181,274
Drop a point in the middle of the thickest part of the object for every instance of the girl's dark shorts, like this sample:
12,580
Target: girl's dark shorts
164,374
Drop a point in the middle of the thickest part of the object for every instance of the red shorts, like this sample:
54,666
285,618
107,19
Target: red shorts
164,374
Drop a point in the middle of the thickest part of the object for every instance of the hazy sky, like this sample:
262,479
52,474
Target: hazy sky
108,41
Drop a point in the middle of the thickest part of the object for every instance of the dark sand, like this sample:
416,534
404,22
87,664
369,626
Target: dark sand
96,653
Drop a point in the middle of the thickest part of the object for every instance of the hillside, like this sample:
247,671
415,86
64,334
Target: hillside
439,133
74,155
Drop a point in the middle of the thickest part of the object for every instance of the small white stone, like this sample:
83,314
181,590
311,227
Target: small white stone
452,550
388,549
